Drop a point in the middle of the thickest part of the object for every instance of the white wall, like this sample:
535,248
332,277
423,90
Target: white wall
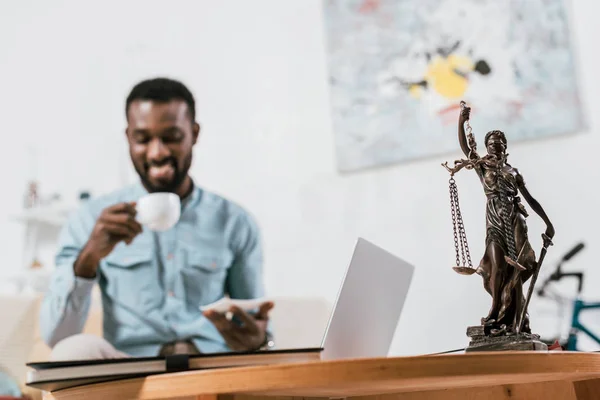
258,70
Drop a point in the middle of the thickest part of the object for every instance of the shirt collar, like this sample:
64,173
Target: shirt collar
193,198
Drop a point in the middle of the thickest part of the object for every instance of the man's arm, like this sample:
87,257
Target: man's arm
245,280
66,304
82,244
245,277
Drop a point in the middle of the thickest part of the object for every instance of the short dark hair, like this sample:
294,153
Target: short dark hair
162,90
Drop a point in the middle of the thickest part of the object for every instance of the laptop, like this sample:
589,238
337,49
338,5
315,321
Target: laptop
362,324
368,305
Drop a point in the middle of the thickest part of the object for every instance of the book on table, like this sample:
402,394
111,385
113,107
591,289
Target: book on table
51,376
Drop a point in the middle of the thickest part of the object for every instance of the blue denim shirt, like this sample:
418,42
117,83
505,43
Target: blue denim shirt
152,289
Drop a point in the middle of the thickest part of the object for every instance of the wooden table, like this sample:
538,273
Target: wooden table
497,375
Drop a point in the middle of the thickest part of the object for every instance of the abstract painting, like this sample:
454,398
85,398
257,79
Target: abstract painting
398,70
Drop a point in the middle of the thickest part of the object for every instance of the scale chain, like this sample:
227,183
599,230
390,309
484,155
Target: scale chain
460,237
453,211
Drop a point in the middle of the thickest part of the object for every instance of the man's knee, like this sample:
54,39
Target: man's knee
84,347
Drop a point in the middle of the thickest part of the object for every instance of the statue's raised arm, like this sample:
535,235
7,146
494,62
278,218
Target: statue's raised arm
467,144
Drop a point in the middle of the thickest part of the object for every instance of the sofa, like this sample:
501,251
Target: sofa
297,322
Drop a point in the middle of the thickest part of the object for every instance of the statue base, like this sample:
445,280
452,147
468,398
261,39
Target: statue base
505,342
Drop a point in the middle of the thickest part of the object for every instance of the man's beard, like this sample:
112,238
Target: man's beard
171,186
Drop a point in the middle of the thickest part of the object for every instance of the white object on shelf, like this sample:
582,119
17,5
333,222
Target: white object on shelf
52,214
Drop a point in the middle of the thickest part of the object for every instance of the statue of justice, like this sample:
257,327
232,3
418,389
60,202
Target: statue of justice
509,259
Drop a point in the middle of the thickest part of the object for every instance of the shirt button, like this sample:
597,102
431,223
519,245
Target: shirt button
171,294
170,256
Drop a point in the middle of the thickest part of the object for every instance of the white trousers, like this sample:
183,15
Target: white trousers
84,347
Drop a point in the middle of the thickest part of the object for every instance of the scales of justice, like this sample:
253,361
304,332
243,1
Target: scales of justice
509,259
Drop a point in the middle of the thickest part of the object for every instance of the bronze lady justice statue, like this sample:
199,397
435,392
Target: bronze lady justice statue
509,259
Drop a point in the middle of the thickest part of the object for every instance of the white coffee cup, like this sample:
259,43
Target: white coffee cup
158,211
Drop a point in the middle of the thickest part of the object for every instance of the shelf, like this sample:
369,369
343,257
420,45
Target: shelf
55,215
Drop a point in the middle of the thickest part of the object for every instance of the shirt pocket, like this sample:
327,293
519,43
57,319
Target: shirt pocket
129,278
204,276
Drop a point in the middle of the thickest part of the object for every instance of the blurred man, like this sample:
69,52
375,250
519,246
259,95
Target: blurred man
153,284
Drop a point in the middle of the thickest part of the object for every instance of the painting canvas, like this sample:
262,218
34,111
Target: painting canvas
398,70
